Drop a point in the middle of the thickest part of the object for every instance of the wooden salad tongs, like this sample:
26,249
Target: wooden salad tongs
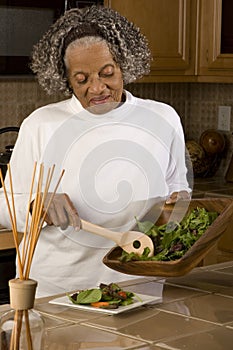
130,241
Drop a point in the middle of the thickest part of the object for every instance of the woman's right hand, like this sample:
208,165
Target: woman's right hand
61,212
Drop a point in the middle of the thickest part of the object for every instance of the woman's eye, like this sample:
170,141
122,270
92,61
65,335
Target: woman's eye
81,79
108,72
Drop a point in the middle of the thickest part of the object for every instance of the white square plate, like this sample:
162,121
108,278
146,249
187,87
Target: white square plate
139,300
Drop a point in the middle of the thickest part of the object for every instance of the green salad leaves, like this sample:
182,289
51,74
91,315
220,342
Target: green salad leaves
173,239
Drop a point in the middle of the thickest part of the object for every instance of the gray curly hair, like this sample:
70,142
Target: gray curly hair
126,43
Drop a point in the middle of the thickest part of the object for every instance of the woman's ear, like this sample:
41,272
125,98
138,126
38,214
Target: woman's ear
70,88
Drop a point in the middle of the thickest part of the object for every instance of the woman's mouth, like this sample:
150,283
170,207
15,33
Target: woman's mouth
100,100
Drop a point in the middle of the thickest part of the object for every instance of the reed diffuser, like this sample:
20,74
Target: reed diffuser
22,328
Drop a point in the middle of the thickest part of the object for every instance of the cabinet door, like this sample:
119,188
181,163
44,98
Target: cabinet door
214,65
170,26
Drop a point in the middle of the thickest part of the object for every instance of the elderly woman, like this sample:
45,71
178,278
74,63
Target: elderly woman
121,154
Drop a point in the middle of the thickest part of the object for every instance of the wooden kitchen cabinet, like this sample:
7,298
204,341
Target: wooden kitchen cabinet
184,37
170,26
215,64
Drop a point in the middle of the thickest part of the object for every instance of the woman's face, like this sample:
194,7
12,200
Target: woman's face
94,76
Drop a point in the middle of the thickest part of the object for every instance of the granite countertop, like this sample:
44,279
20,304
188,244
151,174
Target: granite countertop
7,239
196,312
214,186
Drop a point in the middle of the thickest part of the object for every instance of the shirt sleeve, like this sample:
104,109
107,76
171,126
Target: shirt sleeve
177,171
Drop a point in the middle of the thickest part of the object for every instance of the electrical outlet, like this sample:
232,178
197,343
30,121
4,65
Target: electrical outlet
224,118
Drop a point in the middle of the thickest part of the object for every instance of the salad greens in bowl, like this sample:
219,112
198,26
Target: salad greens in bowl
179,246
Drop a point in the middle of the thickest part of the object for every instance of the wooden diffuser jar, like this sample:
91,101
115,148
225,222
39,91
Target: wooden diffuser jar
22,328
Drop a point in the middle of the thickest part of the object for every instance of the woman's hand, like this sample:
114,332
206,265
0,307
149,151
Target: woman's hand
175,196
61,212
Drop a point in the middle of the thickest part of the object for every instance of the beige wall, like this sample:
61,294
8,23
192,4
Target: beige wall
196,103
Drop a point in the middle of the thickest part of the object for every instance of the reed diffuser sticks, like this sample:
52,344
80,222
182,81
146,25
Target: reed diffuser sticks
33,225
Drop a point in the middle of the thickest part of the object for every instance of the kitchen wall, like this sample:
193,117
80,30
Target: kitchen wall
196,103
18,98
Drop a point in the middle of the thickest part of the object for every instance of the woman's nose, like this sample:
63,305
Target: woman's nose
96,85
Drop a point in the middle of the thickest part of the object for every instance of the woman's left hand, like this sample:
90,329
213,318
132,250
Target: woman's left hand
175,196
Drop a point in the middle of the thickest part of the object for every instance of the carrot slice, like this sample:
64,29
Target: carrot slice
100,304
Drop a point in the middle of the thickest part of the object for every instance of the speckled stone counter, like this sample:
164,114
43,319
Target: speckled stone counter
213,187
196,312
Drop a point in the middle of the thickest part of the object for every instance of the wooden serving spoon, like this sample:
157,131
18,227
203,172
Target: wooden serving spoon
130,241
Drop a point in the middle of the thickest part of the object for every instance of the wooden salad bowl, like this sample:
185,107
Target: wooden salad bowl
179,267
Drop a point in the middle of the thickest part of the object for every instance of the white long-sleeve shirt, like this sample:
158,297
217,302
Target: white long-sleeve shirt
117,165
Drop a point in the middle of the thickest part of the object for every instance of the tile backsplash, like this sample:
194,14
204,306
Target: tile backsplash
196,103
